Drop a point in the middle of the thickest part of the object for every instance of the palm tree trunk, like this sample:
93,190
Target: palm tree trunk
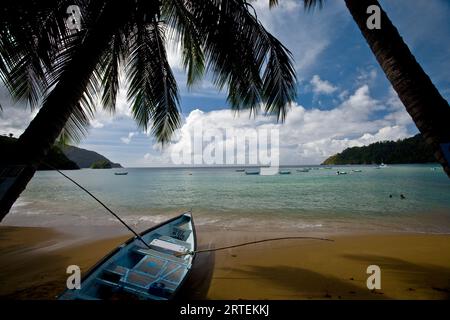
34,144
429,110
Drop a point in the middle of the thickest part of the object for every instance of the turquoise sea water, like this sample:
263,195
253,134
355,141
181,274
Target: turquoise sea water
318,200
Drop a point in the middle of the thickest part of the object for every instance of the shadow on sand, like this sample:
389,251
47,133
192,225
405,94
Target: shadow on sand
298,283
415,275
197,285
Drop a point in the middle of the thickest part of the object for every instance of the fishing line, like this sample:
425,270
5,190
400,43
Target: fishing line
254,242
104,205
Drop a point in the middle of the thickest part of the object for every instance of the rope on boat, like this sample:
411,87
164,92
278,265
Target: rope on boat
253,242
104,205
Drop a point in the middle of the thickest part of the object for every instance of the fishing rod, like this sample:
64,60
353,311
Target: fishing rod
103,205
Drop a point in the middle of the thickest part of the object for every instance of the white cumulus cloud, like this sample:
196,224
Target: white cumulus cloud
309,135
127,139
320,86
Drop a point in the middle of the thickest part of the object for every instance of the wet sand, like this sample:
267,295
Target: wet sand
33,262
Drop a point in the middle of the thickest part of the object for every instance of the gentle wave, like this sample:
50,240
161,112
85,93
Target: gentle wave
317,200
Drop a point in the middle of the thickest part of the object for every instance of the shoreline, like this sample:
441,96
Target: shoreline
414,266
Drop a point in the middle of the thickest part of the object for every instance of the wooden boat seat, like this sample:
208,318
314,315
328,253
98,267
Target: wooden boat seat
107,283
176,241
130,286
160,254
168,247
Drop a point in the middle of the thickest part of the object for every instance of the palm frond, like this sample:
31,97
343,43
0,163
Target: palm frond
308,4
32,33
181,21
152,86
311,4
76,127
26,82
279,89
222,37
110,69
241,55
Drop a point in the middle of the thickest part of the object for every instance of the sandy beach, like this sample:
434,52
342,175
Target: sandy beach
413,266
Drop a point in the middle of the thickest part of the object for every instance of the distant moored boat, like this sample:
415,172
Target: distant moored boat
251,172
284,172
382,165
120,173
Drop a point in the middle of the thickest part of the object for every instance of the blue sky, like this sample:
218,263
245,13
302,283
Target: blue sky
343,96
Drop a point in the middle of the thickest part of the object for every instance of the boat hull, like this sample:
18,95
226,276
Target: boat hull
134,271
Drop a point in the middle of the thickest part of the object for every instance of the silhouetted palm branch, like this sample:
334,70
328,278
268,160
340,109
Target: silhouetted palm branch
223,38
32,35
308,4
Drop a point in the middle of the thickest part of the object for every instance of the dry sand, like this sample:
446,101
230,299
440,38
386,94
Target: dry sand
413,266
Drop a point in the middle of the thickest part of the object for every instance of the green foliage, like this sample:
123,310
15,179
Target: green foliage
223,38
101,164
85,158
410,150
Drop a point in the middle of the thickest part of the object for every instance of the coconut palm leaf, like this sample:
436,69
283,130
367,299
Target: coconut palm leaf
32,33
184,30
152,86
109,68
237,49
308,4
40,60
221,37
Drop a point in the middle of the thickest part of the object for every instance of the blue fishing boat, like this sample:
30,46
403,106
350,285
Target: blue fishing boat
151,266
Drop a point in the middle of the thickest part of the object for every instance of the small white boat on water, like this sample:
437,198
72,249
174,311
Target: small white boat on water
382,166
120,173
341,172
